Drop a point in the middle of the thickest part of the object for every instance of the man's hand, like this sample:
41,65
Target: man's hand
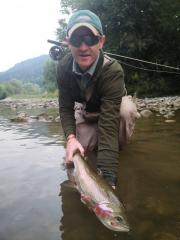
73,145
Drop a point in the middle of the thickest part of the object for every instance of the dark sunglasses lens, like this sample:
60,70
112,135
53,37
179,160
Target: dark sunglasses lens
89,40
76,41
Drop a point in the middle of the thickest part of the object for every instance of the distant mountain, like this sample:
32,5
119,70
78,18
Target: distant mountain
30,70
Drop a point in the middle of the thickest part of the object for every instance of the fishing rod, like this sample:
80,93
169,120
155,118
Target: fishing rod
57,51
143,61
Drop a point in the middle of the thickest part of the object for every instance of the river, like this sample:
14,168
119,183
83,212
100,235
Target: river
34,203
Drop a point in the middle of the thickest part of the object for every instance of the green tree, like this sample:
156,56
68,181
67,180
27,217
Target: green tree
49,76
31,88
61,31
144,29
13,87
3,93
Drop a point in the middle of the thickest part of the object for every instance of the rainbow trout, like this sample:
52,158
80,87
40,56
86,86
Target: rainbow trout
99,196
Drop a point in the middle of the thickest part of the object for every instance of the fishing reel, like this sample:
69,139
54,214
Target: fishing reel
57,51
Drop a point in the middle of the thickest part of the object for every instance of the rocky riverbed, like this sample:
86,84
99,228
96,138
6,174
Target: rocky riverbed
160,106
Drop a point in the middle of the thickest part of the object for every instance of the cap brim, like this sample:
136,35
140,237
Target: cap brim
78,25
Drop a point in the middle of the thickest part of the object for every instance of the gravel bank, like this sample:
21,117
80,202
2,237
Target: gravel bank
166,106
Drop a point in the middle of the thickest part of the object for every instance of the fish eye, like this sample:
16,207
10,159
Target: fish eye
119,219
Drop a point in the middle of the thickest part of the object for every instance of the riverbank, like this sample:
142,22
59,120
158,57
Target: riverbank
165,106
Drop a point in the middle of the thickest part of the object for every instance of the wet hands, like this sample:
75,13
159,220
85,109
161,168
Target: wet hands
73,146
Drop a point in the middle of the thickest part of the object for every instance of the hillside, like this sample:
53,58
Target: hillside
30,70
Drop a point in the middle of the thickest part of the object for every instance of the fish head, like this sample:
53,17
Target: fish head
115,221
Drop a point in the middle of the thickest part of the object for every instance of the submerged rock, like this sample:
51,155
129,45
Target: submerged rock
162,110
42,117
57,119
176,103
146,113
169,115
170,120
21,117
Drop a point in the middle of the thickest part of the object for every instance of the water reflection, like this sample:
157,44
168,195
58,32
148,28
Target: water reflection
46,133
78,222
31,178
30,158
151,190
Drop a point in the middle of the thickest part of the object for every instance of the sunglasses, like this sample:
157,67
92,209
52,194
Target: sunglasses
89,40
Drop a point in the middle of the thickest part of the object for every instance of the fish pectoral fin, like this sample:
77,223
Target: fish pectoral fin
86,199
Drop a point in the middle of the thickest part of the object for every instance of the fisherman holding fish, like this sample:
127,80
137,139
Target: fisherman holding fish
95,111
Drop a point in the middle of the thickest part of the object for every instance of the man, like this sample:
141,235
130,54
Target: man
91,87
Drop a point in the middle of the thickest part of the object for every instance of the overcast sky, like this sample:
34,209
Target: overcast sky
25,26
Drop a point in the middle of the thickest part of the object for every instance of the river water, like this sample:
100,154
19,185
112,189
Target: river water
34,203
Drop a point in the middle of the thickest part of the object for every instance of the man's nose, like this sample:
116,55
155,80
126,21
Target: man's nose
83,46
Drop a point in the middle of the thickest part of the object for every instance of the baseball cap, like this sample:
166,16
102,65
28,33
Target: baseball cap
84,18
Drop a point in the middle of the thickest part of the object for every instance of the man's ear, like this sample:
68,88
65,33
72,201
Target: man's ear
102,41
66,41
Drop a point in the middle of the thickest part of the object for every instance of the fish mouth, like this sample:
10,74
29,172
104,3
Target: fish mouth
117,228
123,229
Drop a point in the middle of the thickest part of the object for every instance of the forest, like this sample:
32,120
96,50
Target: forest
143,29
24,78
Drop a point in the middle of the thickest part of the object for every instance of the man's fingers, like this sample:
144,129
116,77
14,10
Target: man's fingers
69,156
81,149
72,147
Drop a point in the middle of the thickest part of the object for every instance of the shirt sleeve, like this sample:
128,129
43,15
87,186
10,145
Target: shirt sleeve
112,90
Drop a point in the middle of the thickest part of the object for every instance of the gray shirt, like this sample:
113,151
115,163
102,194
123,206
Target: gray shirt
84,78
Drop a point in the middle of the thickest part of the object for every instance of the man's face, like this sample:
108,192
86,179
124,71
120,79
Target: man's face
85,55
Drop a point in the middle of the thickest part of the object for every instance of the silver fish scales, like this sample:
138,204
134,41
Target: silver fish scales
99,196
